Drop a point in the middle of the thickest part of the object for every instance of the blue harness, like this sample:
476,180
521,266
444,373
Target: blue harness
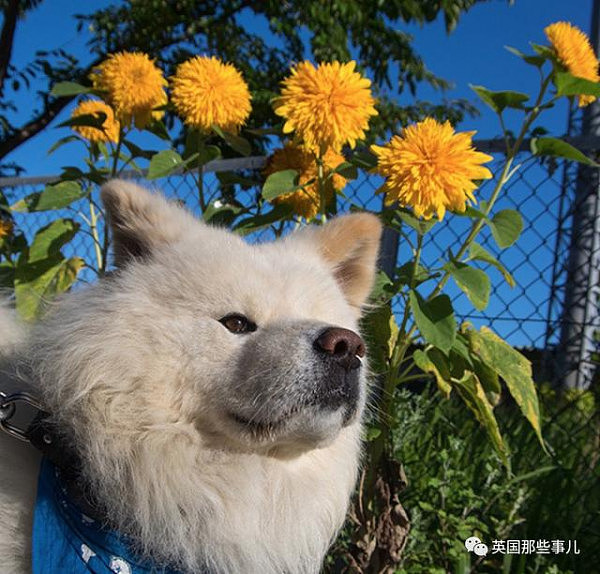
66,541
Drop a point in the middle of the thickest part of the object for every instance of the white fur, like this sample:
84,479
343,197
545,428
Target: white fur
18,467
137,371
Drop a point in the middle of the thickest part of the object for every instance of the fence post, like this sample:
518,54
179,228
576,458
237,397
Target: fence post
389,252
579,322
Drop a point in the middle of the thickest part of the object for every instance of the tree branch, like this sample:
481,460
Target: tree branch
11,14
33,127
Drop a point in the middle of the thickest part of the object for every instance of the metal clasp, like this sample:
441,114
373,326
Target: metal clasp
8,408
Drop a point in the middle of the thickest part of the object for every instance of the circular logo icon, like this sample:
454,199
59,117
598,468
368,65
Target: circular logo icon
480,549
471,542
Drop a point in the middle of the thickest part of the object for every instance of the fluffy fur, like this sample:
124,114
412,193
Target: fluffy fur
211,449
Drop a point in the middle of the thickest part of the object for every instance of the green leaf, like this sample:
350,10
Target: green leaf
195,144
461,348
474,283
479,253
544,51
137,151
422,226
372,433
261,132
49,239
435,320
536,61
238,143
280,182
380,331
37,283
383,289
54,196
513,368
164,163
498,101
61,142
256,222
569,85
559,148
7,275
65,89
404,274
92,120
488,377
434,362
506,227
208,153
232,178
67,274
158,128
219,213
471,211
471,391
347,170
364,159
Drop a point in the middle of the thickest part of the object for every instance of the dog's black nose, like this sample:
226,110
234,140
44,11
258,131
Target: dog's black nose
341,345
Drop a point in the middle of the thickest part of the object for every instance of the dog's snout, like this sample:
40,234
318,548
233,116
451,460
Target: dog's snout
342,345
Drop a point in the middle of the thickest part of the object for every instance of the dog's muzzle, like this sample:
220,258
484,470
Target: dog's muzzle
341,351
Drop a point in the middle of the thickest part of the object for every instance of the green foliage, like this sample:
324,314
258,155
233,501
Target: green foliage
506,227
64,89
164,163
435,320
237,143
513,368
54,196
498,101
475,371
434,362
479,253
41,271
559,148
473,282
457,486
280,182
569,85
171,32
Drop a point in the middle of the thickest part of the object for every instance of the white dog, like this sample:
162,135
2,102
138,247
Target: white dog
208,396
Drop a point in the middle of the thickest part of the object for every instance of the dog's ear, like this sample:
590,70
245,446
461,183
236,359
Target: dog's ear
350,244
140,220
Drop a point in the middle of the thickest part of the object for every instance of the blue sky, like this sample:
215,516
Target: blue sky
473,53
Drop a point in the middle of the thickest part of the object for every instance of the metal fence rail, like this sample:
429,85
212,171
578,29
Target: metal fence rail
529,315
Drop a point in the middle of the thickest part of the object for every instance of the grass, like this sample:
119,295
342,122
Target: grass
457,486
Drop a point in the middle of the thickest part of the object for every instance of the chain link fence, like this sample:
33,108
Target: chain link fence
530,315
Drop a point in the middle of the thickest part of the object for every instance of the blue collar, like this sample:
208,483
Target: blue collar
66,540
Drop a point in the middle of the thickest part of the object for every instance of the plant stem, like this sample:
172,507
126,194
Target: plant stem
504,177
201,198
113,173
321,188
413,275
94,231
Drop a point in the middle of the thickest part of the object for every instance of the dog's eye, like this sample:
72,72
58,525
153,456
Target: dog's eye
238,323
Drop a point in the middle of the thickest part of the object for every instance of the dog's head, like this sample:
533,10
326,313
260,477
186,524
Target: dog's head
252,346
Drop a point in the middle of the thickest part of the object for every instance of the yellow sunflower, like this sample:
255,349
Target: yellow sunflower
133,85
327,106
110,126
6,227
205,91
575,53
306,202
430,168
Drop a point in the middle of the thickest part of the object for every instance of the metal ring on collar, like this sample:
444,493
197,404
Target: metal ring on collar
8,407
